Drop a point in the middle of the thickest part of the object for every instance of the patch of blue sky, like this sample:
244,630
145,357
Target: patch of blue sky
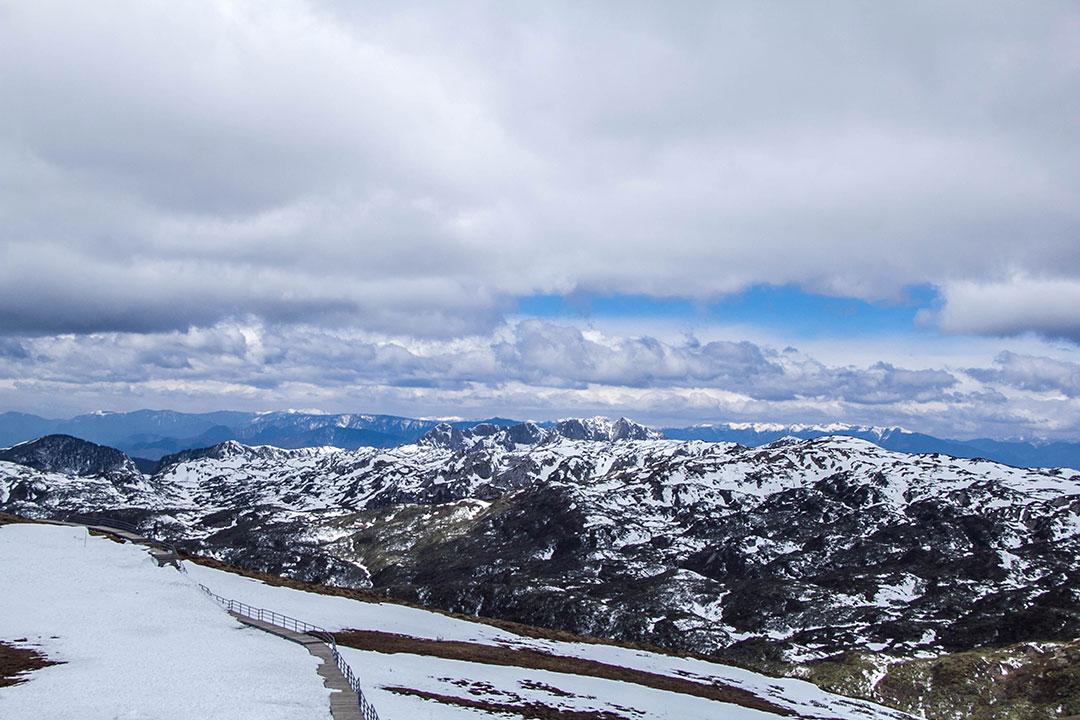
778,308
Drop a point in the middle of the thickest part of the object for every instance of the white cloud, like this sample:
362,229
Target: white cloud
1049,306
1057,378
413,168
530,369
293,203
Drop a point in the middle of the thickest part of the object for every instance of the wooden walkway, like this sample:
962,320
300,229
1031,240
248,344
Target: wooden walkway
344,705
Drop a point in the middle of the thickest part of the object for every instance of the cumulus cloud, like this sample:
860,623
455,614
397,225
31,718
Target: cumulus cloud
312,203
529,369
1048,306
413,169
1039,374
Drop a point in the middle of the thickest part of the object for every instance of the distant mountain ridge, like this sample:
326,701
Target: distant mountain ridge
149,435
153,434
1016,453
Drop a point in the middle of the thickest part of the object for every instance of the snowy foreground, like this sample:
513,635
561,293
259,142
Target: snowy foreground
140,641
465,679
137,642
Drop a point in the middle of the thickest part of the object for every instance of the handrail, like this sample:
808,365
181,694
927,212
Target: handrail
113,524
90,520
367,710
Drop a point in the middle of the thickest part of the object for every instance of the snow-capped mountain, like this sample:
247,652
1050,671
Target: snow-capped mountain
783,557
1018,453
597,429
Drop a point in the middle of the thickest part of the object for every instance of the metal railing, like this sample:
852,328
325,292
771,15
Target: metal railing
257,613
367,710
113,524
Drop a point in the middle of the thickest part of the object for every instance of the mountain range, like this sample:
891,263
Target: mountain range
149,435
917,581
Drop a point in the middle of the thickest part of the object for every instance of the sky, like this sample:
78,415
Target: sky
683,213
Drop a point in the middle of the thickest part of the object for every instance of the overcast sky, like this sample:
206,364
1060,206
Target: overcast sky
863,212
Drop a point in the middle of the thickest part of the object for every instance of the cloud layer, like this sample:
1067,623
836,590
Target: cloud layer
261,204
415,168
530,369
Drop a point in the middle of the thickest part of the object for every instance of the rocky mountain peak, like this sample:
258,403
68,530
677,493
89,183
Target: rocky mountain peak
443,435
71,456
626,429
601,429
597,429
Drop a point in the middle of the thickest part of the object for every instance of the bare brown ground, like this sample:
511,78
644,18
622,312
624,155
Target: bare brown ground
536,660
531,710
16,662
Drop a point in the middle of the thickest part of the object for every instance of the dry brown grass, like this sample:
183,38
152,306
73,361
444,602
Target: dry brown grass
16,662
532,710
530,631
536,660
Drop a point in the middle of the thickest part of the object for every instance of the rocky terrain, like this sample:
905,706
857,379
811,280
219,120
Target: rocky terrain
829,558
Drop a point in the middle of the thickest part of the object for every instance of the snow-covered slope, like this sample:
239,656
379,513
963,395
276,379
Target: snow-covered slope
565,691
135,640
139,641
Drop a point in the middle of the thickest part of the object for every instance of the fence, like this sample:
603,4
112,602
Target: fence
367,710
114,524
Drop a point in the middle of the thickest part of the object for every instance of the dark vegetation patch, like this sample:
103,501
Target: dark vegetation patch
9,519
527,709
1027,681
16,662
383,642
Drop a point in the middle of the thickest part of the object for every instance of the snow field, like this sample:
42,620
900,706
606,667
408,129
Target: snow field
138,642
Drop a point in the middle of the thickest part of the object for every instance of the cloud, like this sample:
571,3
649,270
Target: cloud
530,369
304,203
414,169
1020,304
1038,374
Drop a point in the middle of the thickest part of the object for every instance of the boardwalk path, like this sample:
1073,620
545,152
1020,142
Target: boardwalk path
344,703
